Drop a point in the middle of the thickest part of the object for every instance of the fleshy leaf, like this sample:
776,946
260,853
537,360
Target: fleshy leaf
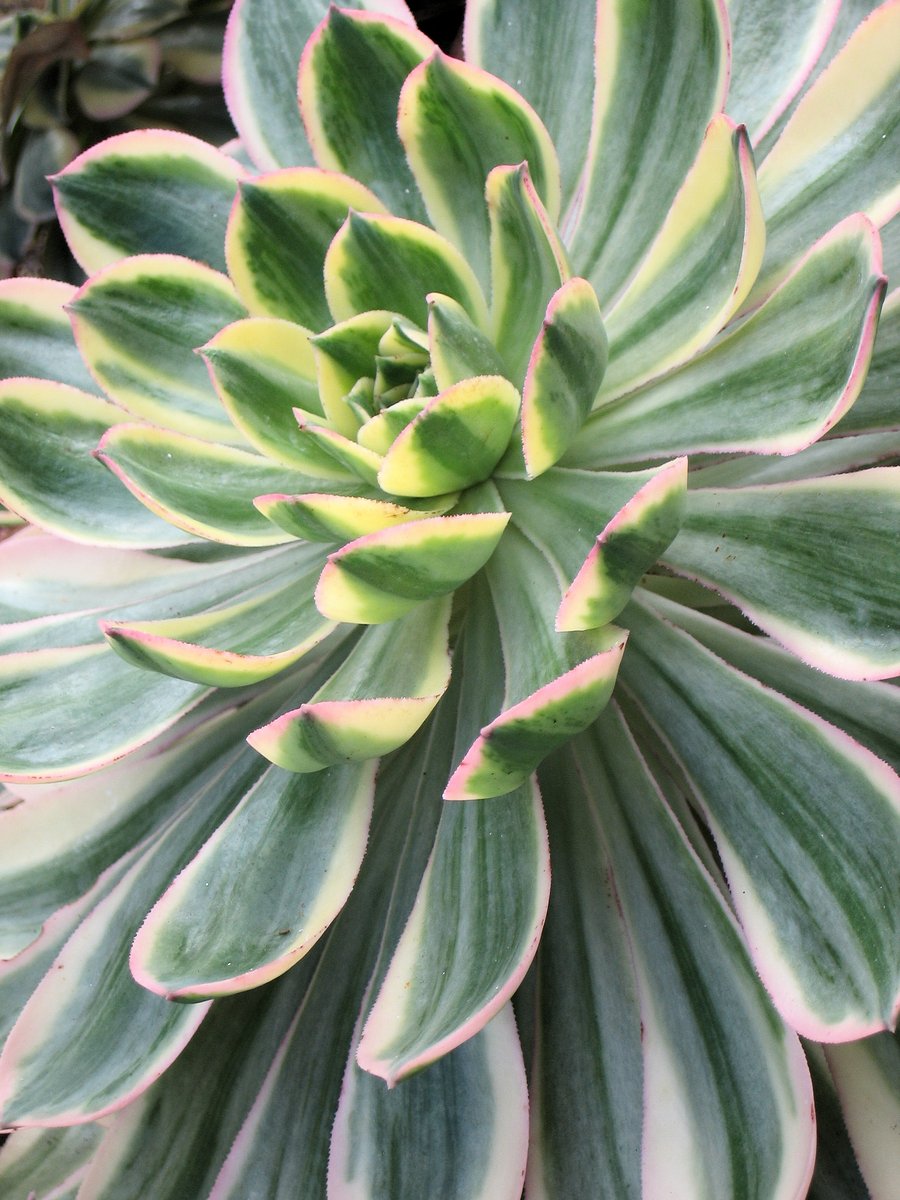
356,460
382,576
35,334
551,693
455,441
564,375
140,193
351,73
725,1089
203,488
867,1077
627,547
699,269
344,354
876,407
137,325
811,563
200,940
373,703
49,477
303,209
777,383
528,264
838,153
457,348
807,824
457,123
661,79
117,78
379,262
47,1162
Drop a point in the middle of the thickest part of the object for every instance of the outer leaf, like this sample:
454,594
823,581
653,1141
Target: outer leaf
293,843
838,153
726,1092
302,208
661,71
777,383
528,264
386,262
47,1162
202,488
628,546
773,50
384,575
49,477
140,193
876,407
137,324
473,1143
457,123
35,334
810,562
501,36
867,1077
373,703
699,270
263,43
812,876
455,441
351,73
564,375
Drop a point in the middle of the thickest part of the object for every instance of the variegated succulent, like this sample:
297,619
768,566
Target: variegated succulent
485,485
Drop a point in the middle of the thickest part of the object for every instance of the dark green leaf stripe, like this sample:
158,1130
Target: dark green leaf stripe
148,192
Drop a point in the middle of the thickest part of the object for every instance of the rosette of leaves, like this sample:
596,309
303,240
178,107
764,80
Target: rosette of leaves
72,72
485,486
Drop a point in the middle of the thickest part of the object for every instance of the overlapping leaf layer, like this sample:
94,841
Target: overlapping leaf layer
495,494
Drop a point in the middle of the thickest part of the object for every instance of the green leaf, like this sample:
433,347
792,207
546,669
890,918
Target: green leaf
457,123
387,262
699,270
876,407
302,208
838,153
661,69
776,384
457,348
47,1162
344,354
319,517
455,441
564,375
458,1130
50,431
117,78
810,562
203,488
140,193
351,73
35,334
374,702
384,575
726,1094
295,843
528,264
138,323
806,825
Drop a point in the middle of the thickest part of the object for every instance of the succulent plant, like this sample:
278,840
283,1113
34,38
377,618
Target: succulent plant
484,486
72,72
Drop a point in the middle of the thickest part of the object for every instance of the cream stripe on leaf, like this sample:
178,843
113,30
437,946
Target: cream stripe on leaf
351,73
48,1161
319,517
806,822
697,272
140,193
457,123
838,153
138,324
726,1093
876,407
661,70
867,1077
302,209
811,562
528,264
200,487
35,333
200,941
367,708
50,431
776,384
